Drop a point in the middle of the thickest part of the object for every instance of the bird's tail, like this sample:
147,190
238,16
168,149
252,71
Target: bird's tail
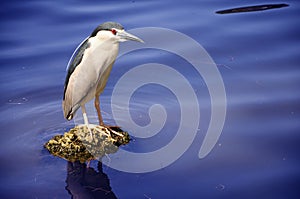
69,111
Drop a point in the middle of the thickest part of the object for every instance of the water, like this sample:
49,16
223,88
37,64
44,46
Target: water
256,53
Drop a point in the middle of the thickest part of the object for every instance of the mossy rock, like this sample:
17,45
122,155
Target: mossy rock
83,144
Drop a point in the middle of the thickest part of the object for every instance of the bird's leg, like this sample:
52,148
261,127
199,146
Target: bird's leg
86,121
97,106
89,126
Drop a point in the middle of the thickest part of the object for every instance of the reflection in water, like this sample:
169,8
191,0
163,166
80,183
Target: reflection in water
251,8
78,146
83,182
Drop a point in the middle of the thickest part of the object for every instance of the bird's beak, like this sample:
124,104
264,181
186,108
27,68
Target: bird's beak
125,36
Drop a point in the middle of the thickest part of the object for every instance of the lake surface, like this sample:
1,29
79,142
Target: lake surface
256,54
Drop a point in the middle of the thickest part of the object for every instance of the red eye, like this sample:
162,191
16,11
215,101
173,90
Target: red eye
114,31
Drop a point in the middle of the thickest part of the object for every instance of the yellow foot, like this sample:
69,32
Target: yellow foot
103,129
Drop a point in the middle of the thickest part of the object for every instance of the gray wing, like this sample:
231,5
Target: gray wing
74,61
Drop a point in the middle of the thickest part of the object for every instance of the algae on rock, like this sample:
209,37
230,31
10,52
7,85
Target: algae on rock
83,144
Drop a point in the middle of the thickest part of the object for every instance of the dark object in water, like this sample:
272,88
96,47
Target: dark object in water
252,8
78,145
86,182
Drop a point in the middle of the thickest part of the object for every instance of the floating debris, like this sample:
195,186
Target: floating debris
18,101
220,187
84,144
252,8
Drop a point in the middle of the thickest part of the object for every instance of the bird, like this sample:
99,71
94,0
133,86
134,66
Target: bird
89,68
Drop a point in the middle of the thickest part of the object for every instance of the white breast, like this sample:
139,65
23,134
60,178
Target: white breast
97,60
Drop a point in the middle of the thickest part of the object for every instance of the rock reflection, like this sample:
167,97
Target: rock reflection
86,183
77,146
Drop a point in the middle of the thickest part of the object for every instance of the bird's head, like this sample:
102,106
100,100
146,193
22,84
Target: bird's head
114,31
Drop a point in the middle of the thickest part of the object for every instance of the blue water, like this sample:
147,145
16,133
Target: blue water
257,54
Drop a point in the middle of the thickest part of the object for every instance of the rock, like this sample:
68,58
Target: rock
82,145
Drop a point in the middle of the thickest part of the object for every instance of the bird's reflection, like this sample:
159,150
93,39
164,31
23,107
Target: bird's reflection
83,182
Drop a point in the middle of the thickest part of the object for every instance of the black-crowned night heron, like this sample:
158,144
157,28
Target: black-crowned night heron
90,66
